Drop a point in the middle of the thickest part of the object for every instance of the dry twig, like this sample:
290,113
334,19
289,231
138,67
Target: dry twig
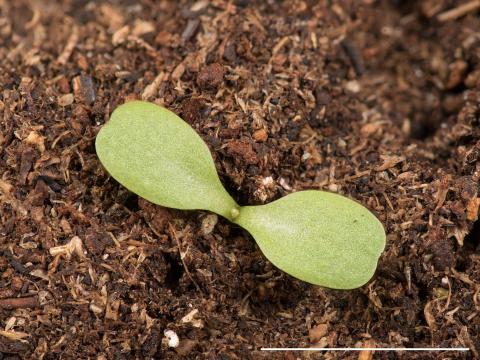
16,303
459,11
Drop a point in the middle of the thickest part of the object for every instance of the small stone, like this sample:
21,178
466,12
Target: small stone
84,89
65,100
190,29
172,337
353,86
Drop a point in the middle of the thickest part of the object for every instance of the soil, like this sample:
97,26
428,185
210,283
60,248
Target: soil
377,100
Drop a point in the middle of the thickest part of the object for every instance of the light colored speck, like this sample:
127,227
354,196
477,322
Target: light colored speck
268,181
208,223
283,183
333,187
172,337
65,100
353,86
306,156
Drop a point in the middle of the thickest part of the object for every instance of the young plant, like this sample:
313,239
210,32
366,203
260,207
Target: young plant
319,237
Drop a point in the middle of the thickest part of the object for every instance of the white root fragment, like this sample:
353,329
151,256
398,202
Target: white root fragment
190,318
74,246
67,51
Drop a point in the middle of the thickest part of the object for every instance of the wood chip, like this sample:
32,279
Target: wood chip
389,162
39,273
71,43
5,187
260,135
120,36
280,45
151,90
74,246
190,318
459,11
199,5
427,311
14,335
371,128
65,100
178,72
467,341
142,27
317,332
19,303
34,138
112,16
442,192
367,354
111,311
472,209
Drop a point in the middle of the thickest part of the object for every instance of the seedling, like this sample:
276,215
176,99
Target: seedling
319,237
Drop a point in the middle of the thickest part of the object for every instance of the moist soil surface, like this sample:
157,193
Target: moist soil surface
376,100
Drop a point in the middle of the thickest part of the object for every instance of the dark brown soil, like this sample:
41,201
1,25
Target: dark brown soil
377,100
